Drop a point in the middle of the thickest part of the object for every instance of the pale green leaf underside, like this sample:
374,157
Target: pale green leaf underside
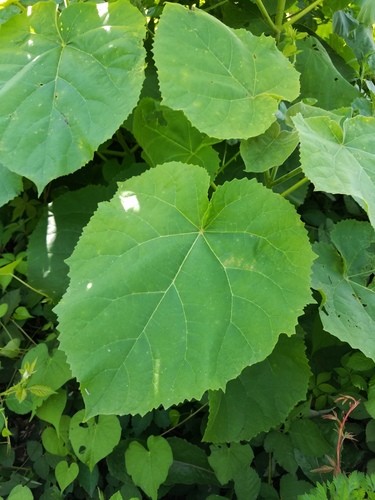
243,411
171,295
340,159
224,80
343,273
67,82
166,135
268,150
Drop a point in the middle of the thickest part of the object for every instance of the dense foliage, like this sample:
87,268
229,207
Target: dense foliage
187,249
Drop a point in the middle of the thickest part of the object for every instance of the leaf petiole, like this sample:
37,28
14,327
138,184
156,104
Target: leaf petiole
295,186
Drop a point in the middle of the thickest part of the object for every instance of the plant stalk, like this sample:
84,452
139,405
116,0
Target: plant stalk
302,13
266,16
295,186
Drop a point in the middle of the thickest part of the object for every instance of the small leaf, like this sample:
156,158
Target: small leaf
3,309
21,313
65,474
228,461
268,150
94,439
41,391
51,409
20,492
12,349
149,467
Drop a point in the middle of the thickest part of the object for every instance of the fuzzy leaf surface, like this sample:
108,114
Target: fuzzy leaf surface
206,288
61,75
343,274
340,159
248,406
224,80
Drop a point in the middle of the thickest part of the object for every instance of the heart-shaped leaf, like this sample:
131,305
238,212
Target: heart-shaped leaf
94,439
149,468
172,294
223,79
68,80
65,474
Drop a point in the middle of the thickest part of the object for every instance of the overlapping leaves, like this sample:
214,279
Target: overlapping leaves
344,274
172,294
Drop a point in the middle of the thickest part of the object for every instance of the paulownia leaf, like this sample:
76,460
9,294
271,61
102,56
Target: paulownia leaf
227,82
340,159
67,82
166,135
172,294
344,274
56,235
316,67
11,185
268,150
262,396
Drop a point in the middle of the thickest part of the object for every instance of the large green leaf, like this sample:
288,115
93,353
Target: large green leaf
56,235
166,135
344,274
340,159
262,396
172,294
316,67
67,81
223,79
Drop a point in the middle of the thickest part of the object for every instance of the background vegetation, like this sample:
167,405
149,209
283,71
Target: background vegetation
187,249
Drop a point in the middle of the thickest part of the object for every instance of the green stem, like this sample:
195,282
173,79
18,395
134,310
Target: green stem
213,185
219,4
30,287
302,12
110,152
279,16
225,165
294,187
287,176
266,16
185,420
